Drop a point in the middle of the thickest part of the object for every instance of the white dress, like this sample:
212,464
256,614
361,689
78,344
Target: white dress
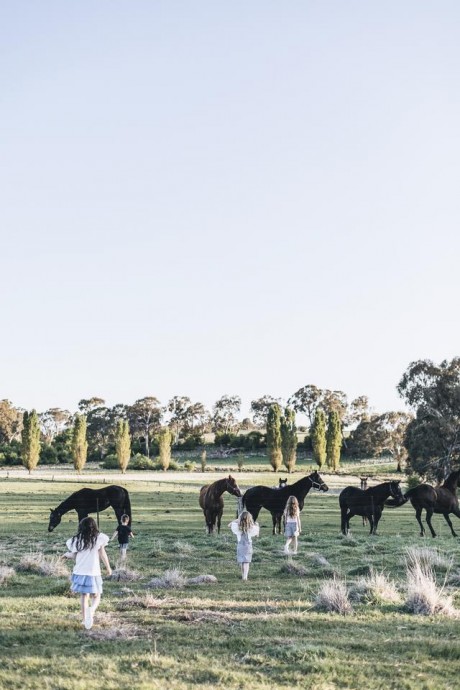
244,545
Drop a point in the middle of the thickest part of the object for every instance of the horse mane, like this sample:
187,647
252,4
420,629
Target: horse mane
451,481
66,505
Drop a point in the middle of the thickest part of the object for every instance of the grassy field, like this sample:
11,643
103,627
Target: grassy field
261,634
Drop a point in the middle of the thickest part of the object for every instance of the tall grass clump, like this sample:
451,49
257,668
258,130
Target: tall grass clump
427,557
39,564
183,548
6,573
174,578
375,588
424,596
332,597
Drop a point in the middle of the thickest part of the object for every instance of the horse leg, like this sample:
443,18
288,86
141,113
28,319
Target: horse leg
371,523
344,523
274,520
418,515
449,522
429,515
219,518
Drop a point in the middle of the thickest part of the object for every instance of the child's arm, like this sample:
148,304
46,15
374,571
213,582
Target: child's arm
298,522
114,535
131,535
104,558
69,554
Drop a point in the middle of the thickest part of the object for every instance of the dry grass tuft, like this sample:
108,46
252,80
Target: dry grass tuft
291,568
125,575
427,558
39,564
320,561
454,579
375,588
333,597
202,580
148,601
424,597
182,548
204,616
6,573
173,578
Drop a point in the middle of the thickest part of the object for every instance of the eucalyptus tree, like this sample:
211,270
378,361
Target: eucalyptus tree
144,418
10,422
225,411
260,408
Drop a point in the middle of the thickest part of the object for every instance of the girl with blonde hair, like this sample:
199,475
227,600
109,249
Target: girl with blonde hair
292,526
245,528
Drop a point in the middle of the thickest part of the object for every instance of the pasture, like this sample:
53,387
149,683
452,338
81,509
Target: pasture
259,635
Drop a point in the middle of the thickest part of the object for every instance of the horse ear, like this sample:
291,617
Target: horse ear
51,510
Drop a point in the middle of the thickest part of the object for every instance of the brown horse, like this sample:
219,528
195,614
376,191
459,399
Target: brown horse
212,503
441,499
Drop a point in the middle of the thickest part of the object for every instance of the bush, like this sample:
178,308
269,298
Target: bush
192,442
48,455
189,465
142,462
11,453
110,462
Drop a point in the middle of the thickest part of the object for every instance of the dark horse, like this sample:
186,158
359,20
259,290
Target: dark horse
442,499
212,503
274,500
368,503
88,501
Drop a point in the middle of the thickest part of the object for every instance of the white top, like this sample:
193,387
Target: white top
87,561
253,531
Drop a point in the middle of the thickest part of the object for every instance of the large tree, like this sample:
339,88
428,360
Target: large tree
333,440
306,401
123,444
145,419
53,422
225,411
30,437
381,433
433,437
260,408
186,418
79,442
318,437
10,422
274,437
289,439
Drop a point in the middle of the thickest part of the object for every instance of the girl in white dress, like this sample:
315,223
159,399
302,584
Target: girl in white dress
245,528
87,547
292,526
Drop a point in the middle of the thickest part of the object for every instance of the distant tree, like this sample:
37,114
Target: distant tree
260,408
334,401
53,422
306,400
145,419
432,438
87,404
203,460
10,422
186,418
274,437
164,445
123,444
357,412
381,433
225,411
30,446
79,442
289,439
318,437
100,431
333,440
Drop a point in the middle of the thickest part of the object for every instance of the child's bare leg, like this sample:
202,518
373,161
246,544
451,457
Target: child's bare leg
84,604
287,544
95,601
294,544
245,570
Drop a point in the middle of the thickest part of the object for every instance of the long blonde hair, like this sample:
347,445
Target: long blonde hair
245,521
292,507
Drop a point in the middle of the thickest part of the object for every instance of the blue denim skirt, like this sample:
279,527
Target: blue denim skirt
86,584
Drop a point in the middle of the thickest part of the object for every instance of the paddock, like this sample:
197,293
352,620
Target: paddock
265,634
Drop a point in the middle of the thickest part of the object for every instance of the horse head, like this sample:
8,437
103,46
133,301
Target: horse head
317,482
395,491
232,487
282,483
55,519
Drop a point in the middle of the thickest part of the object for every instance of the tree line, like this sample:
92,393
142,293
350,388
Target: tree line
426,439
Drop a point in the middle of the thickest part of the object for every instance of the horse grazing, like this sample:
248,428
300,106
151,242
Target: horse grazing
87,501
442,499
367,503
274,500
212,503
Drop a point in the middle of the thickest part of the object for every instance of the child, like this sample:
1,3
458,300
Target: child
87,547
245,528
292,527
124,533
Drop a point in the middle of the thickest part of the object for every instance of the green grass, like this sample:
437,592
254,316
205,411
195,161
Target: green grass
260,634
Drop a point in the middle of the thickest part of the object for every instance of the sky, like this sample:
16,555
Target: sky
207,198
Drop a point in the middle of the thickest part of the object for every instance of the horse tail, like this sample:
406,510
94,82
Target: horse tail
127,505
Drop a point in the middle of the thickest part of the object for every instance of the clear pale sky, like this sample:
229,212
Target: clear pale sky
239,197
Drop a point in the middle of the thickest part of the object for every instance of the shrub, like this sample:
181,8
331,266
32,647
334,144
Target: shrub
6,573
424,597
110,462
125,575
39,564
375,588
427,558
189,466
171,579
142,462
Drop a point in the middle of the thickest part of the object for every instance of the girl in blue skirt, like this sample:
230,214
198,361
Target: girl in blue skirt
88,548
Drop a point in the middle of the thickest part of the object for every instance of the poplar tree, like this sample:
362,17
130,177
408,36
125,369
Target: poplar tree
318,437
334,440
30,440
274,437
164,446
79,443
289,439
123,444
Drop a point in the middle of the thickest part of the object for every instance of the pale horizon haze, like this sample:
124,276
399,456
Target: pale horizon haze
202,198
